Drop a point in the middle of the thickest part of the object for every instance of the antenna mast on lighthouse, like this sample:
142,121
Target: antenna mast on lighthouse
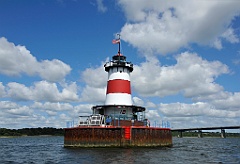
119,44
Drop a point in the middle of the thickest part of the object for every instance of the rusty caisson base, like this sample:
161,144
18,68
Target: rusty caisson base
117,136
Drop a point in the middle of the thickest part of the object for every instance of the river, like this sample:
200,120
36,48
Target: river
48,149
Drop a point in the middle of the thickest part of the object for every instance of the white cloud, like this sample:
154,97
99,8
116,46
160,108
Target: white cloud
92,94
70,92
52,106
21,111
201,121
5,105
138,101
42,91
17,60
101,6
14,115
19,91
160,27
82,110
2,90
151,105
153,115
229,102
54,70
183,110
191,75
230,36
200,114
96,80
217,44
51,113
95,77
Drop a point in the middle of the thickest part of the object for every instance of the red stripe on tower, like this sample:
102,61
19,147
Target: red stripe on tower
118,86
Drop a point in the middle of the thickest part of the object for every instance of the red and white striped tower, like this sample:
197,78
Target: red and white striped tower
118,103
119,84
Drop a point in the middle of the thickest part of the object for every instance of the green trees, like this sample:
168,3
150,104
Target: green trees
31,131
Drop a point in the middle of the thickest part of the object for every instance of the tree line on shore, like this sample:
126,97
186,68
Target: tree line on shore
32,131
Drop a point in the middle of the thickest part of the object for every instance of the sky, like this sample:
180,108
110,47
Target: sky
186,57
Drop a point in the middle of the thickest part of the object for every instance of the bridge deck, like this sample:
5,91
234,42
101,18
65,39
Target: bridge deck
207,128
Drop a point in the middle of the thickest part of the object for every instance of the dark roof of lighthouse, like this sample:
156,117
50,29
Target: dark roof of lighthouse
119,57
119,61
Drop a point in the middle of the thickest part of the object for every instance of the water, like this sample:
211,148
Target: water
185,150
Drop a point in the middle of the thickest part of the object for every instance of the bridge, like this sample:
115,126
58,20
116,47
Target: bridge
223,128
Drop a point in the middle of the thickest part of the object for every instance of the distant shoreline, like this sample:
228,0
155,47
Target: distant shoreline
31,136
46,131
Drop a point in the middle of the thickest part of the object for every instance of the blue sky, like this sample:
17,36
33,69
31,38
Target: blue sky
186,59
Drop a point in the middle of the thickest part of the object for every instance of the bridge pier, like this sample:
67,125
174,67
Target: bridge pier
200,135
223,133
180,134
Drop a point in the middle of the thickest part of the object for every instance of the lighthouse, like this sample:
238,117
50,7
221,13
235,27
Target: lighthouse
118,122
118,102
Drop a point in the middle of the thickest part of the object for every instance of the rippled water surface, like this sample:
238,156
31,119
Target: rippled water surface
185,150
